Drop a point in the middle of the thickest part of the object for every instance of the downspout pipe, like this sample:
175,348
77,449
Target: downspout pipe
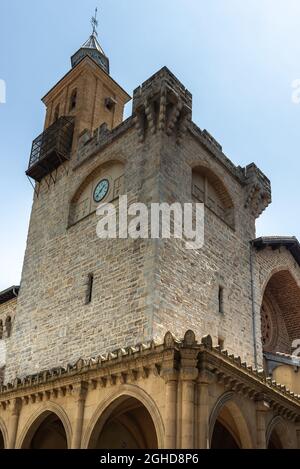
253,304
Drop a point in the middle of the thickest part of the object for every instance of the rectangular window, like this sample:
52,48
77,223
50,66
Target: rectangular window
89,295
221,300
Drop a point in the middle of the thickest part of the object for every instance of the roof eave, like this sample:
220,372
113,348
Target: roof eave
291,243
9,294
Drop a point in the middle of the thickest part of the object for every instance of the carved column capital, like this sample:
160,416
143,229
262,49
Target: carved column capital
262,409
80,390
205,377
262,405
15,406
188,364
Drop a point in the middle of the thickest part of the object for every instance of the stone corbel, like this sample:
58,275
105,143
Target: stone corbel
258,190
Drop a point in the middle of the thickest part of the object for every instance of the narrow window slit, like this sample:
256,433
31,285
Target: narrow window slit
90,285
221,300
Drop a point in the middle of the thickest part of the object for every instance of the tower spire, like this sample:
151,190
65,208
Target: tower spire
94,23
92,48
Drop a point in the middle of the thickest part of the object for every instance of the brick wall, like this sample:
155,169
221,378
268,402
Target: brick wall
278,276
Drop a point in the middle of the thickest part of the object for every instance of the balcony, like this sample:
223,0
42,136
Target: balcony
51,148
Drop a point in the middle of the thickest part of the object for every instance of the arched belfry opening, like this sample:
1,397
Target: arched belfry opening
126,424
280,313
47,432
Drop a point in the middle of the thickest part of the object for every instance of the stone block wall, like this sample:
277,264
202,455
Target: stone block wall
142,288
7,317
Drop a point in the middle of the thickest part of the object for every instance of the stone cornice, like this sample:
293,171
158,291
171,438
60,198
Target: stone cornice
140,362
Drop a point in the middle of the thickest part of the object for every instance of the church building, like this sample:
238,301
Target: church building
142,343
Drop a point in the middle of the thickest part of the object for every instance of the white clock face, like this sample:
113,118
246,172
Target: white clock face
101,190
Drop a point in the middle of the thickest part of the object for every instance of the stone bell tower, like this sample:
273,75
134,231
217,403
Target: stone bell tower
83,99
81,295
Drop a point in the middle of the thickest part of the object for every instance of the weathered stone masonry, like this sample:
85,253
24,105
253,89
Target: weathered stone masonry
141,288
71,373
202,380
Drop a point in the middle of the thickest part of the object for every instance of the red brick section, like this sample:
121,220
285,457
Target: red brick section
285,291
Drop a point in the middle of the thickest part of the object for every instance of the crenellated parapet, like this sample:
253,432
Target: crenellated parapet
162,104
258,190
91,143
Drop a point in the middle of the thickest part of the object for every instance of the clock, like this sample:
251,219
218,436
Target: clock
101,190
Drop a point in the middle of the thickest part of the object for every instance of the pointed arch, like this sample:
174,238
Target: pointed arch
36,419
208,188
228,415
277,435
3,435
104,410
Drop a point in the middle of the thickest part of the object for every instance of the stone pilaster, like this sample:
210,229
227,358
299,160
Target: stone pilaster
204,380
79,393
15,409
188,376
262,409
170,375
171,414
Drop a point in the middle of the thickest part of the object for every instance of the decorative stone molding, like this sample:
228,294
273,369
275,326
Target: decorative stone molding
170,360
258,193
162,104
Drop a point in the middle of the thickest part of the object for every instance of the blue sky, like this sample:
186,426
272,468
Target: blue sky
238,58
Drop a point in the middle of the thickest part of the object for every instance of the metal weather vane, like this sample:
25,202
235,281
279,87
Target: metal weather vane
94,23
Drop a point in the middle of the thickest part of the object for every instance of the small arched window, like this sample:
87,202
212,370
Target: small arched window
1,329
208,189
73,100
56,113
8,326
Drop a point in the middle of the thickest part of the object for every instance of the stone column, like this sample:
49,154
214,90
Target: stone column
15,407
205,378
79,393
188,376
262,409
170,374
171,414
187,414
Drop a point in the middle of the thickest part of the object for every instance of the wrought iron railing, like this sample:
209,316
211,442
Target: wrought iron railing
51,148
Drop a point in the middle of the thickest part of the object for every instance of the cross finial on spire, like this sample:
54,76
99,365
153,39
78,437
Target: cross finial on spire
94,23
